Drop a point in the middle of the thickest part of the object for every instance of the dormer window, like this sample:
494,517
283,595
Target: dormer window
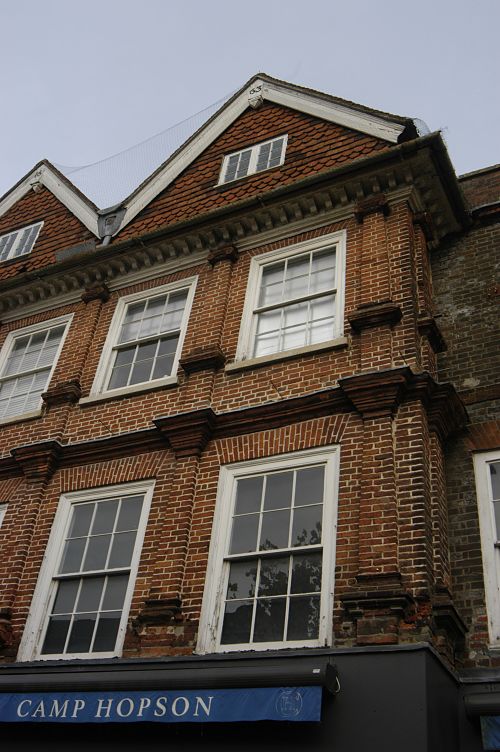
254,159
20,242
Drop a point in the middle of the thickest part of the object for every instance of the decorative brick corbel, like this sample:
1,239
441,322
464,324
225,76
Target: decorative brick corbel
187,433
427,327
158,612
375,314
38,461
424,221
446,617
378,613
96,292
66,392
378,393
376,204
225,253
203,359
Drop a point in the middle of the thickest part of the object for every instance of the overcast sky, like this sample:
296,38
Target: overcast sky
81,81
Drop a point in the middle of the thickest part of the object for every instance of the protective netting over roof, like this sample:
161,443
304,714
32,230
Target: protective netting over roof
111,180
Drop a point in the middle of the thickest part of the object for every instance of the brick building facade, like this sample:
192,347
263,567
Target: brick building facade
238,414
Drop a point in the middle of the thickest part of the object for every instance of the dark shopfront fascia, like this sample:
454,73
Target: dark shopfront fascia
380,698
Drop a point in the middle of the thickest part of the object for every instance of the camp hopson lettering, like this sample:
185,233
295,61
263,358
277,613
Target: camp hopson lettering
96,707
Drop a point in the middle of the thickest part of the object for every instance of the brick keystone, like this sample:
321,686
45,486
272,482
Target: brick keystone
203,359
95,292
38,461
373,205
67,392
375,314
188,433
378,393
226,253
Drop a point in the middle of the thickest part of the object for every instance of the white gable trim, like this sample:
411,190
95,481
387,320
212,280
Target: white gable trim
71,200
250,97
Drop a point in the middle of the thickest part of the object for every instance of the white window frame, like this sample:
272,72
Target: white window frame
249,317
489,545
211,620
12,251
23,332
3,511
46,587
254,156
103,372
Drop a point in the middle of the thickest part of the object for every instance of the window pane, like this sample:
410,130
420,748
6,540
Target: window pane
81,633
273,577
263,158
105,515
146,351
243,163
309,486
90,594
269,321
278,490
244,534
122,550
242,576
172,318
125,356
276,150
237,622
80,522
297,277
266,344
97,553
119,377
274,531
269,620
65,598
306,573
248,495
141,372
107,630
72,556
130,513
323,271
116,589
306,529
303,618
55,637
272,284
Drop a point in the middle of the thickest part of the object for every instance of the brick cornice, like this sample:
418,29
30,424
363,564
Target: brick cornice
373,394
66,392
375,314
38,461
